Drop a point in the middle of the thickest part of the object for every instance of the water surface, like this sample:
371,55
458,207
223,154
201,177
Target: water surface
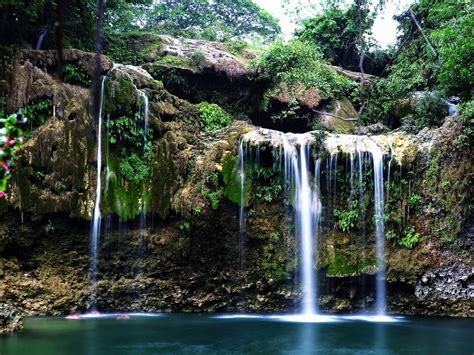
210,334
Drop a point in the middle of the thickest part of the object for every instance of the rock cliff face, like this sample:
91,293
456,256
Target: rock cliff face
189,256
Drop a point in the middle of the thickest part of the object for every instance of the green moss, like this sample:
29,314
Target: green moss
213,117
122,197
120,97
175,61
274,263
342,265
163,179
132,48
231,176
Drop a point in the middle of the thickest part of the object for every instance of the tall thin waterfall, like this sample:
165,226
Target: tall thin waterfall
145,115
242,215
41,37
381,293
307,212
95,228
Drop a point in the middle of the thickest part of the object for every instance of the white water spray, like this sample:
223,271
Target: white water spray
380,285
95,228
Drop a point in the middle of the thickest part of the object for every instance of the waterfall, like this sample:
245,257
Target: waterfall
242,215
41,37
145,114
380,283
307,212
95,228
302,193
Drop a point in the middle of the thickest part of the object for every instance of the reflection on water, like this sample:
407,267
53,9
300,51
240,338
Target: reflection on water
231,334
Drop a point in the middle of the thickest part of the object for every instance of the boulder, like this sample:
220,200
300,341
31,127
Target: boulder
342,117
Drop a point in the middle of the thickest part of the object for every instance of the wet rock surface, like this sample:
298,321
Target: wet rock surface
454,284
10,319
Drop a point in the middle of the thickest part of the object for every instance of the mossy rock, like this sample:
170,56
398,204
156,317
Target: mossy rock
132,48
120,96
336,121
163,179
344,265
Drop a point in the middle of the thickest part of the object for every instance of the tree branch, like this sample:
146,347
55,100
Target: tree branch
350,119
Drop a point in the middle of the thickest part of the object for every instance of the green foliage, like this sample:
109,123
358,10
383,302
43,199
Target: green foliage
343,265
185,226
133,169
216,190
37,113
236,47
410,238
175,61
266,182
346,219
336,32
295,68
429,110
218,20
465,138
128,130
131,47
452,36
75,75
274,264
60,186
197,58
10,139
442,61
231,177
213,117
415,202
291,111
319,132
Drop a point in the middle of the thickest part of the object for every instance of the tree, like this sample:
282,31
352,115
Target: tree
434,53
337,32
214,20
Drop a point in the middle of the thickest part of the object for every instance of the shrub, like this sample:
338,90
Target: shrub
415,202
37,112
429,110
410,238
297,71
10,139
128,130
213,117
465,138
75,75
346,218
133,169
197,58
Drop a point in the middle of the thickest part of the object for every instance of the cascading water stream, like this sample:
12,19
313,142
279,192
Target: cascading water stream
307,212
292,154
96,219
145,115
242,215
41,37
380,283
305,227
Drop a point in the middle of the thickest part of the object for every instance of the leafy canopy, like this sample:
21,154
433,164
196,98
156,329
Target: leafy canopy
337,32
213,20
